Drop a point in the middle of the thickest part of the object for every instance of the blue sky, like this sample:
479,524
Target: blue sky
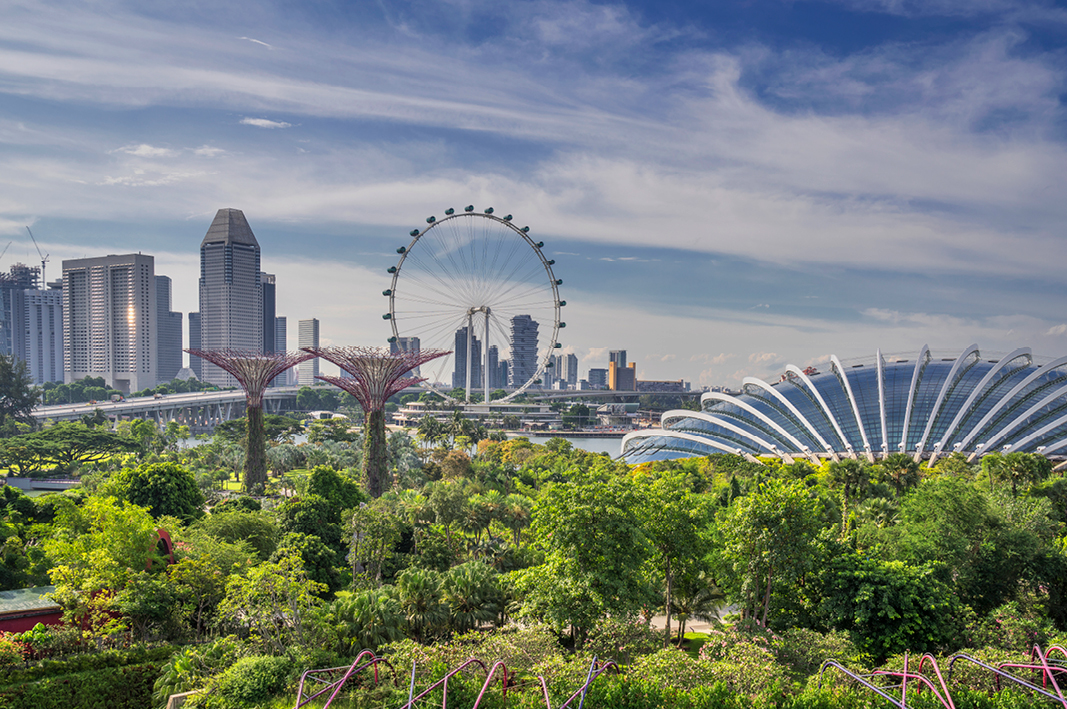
726,187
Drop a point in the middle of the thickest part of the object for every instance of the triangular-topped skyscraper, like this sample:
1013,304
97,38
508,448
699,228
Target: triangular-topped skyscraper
231,296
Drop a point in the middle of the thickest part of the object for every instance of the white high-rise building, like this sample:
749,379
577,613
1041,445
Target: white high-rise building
44,334
308,336
109,321
231,296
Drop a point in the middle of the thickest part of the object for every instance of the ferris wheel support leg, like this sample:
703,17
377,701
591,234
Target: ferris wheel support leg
470,337
485,365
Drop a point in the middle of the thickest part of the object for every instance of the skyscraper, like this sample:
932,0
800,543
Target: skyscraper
281,344
194,344
308,336
169,330
459,374
267,282
494,368
405,344
618,357
569,373
13,286
523,363
231,296
44,334
109,321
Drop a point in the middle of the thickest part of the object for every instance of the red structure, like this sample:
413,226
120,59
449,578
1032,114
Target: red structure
377,374
254,371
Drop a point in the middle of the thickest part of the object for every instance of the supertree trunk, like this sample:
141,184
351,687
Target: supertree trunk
375,454
255,453
376,375
254,371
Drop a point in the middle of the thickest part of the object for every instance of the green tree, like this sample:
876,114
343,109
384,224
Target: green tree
367,619
673,520
276,606
472,593
255,528
165,489
767,539
374,529
96,549
419,593
595,548
18,395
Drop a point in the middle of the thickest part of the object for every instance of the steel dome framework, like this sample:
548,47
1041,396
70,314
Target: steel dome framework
928,407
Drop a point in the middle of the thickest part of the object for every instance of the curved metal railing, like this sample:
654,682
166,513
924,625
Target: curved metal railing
338,684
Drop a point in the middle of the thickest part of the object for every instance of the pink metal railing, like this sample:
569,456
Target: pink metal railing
443,682
337,685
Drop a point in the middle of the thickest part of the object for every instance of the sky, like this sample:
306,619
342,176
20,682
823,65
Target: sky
726,187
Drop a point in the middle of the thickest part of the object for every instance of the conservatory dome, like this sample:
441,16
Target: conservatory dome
923,405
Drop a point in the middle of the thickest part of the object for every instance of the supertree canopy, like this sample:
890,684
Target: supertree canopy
377,374
254,371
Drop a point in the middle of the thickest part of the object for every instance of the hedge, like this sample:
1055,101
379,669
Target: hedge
127,687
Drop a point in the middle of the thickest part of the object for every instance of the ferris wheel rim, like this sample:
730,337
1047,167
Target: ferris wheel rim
553,284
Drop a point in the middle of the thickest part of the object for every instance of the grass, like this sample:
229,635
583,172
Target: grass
693,642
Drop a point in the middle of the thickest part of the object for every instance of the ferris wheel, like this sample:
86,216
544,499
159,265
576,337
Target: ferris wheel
476,284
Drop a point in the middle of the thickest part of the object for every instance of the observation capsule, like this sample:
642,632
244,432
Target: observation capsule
431,219
558,345
387,291
562,303
552,262
488,210
387,316
525,230
559,281
402,250
449,212
413,232
391,269
391,340
469,208
563,324
539,244
507,218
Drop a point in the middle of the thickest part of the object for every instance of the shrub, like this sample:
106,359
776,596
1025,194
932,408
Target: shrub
11,650
250,682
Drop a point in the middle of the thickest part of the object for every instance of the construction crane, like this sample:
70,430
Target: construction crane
44,260
5,249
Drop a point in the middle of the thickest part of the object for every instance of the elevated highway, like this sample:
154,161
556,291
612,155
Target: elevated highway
199,410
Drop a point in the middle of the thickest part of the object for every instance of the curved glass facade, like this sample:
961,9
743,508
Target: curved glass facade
928,406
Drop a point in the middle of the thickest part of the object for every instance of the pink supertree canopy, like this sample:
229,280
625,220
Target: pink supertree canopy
253,370
377,373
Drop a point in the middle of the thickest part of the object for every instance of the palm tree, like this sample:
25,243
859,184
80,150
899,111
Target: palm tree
900,471
516,514
696,597
367,620
420,598
472,593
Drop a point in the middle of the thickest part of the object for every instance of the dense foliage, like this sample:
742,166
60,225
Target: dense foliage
542,556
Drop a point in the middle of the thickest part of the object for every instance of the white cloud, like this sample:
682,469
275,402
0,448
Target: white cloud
265,123
1057,330
206,151
147,151
249,39
764,358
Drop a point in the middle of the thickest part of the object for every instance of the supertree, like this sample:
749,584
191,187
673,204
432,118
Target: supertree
253,371
377,374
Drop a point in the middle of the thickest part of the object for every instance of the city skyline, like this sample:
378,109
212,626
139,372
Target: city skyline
724,189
